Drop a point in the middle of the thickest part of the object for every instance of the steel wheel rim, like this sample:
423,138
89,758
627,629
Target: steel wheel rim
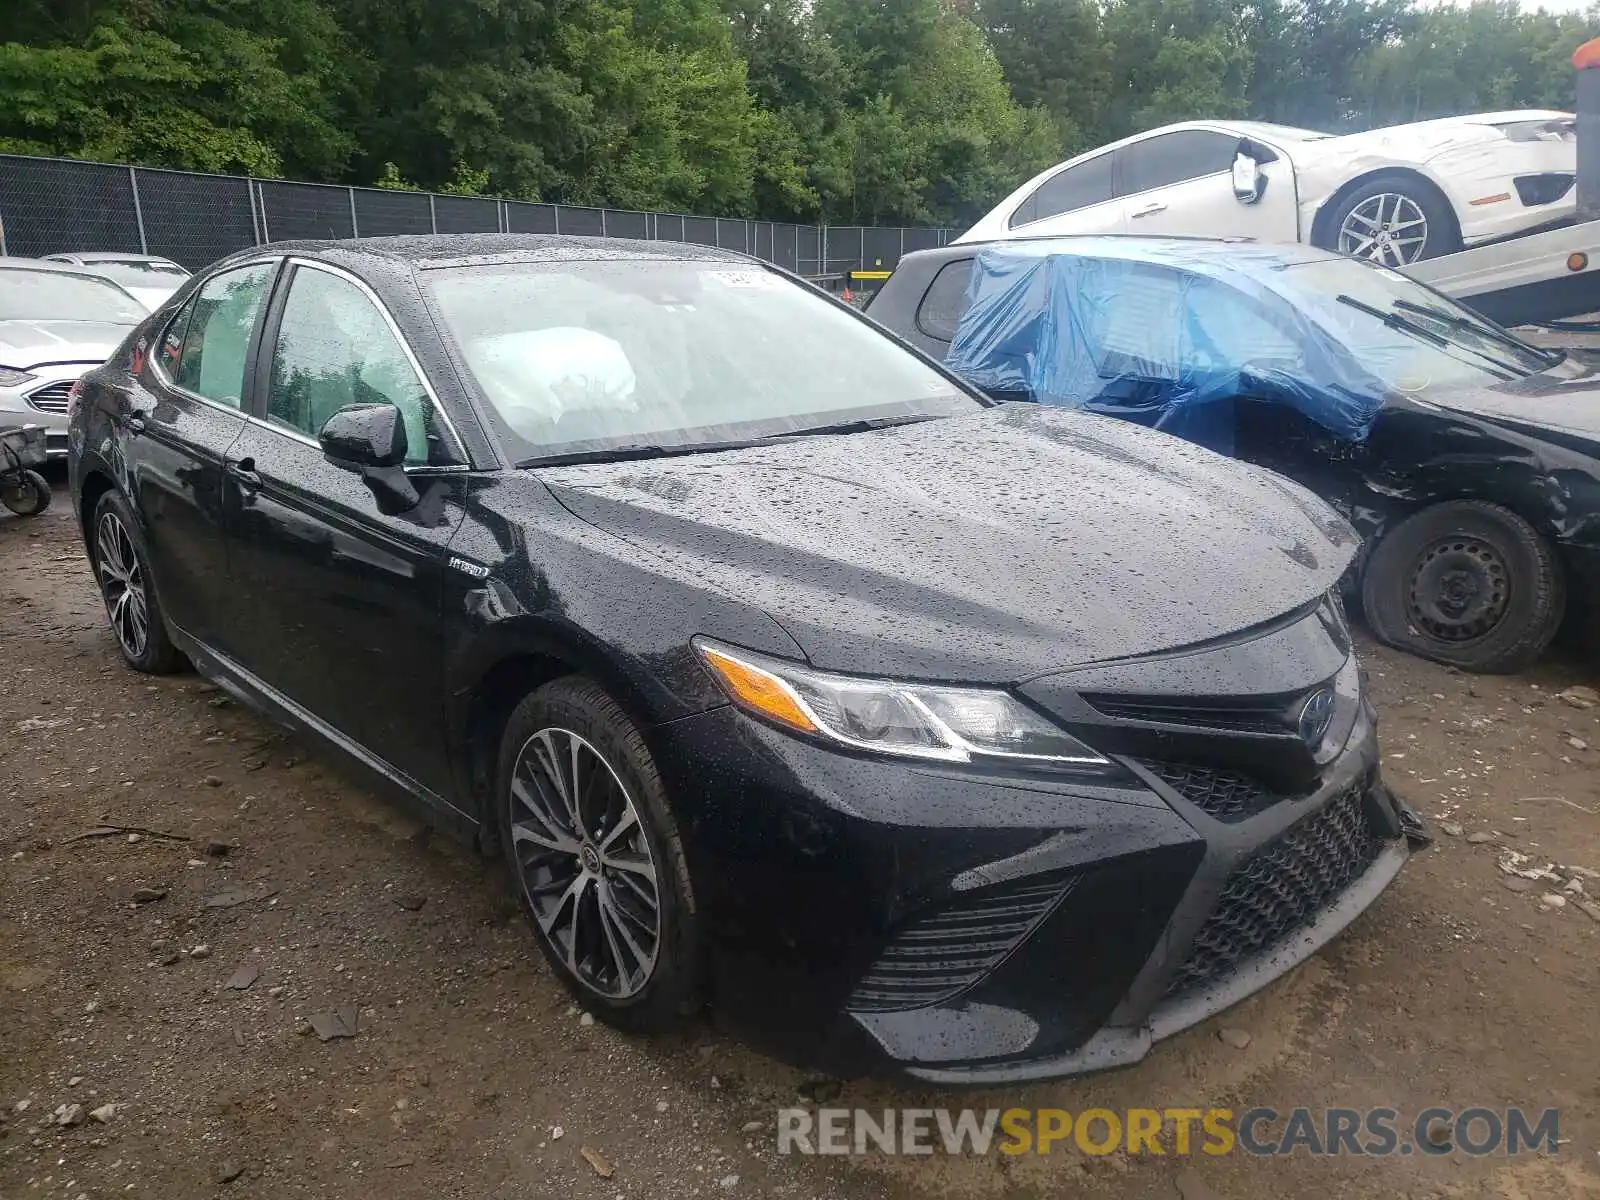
1389,228
122,584
1460,590
586,867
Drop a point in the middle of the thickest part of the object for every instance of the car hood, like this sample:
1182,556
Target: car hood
25,344
1565,398
990,547
1416,142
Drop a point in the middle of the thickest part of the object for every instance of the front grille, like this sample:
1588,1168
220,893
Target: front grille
52,398
1282,888
939,955
1229,796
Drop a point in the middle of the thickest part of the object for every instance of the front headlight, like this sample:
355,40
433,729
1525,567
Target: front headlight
14,377
911,720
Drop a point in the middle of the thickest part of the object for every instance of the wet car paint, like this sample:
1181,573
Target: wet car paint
404,639
940,550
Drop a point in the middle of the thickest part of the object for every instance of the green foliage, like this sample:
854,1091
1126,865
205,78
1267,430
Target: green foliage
838,110
215,87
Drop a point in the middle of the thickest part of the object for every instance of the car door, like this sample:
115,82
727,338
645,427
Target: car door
342,592
179,427
1181,183
1077,199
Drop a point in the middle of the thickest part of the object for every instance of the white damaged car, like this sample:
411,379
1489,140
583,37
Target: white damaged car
1393,195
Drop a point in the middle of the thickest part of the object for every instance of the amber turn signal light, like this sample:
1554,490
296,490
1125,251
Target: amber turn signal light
758,690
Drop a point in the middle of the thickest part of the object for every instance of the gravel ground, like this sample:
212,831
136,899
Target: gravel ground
163,975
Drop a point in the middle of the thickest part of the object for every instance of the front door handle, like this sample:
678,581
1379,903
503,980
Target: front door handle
244,470
1150,210
136,423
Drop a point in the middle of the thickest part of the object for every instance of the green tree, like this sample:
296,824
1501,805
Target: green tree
215,85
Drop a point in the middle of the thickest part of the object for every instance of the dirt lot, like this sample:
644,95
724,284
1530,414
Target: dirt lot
1454,989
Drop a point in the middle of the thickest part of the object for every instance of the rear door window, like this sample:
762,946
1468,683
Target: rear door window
1066,191
217,342
170,352
945,300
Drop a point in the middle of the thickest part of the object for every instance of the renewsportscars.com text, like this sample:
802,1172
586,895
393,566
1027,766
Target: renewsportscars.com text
1167,1131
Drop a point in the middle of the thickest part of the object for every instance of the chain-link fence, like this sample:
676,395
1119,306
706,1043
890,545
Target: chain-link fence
53,205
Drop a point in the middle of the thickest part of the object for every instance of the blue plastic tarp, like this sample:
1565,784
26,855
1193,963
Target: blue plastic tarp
1163,332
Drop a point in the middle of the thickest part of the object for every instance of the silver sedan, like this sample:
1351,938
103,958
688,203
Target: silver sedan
145,277
56,322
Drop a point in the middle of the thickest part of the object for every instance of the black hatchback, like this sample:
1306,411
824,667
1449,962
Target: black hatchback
786,673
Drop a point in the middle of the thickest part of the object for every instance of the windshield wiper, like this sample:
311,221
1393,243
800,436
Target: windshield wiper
605,454
1394,320
638,450
859,425
1421,333
1551,357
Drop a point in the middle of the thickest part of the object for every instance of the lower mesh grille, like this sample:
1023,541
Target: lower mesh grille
940,954
1226,795
1282,888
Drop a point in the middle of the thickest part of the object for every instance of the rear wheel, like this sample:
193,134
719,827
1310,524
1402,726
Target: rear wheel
1465,583
123,570
596,858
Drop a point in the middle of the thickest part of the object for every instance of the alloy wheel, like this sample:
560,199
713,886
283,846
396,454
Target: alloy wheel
1460,590
1389,228
123,584
585,862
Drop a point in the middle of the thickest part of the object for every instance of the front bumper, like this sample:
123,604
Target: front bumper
971,928
43,401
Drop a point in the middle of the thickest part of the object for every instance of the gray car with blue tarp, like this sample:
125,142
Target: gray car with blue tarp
1468,458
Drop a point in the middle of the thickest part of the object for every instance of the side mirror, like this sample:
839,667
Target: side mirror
1249,180
365,437
370,439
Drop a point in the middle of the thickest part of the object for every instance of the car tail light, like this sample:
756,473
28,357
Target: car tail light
1534,190
74,395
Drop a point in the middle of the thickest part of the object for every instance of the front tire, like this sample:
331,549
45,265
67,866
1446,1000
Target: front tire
1392,220
1465,583
595,856
122,568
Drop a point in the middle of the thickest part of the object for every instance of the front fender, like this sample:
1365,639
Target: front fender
1321,184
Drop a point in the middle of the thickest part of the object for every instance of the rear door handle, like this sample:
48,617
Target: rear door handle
244,470
1150,210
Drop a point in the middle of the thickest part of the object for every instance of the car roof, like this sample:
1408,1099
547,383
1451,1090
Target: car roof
13,262
107,256
427,251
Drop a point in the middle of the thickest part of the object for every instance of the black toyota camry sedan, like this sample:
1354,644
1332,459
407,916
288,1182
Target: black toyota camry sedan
787,674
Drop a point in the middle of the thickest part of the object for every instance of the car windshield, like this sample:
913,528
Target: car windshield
589,355
1410,337
30,295
141,274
